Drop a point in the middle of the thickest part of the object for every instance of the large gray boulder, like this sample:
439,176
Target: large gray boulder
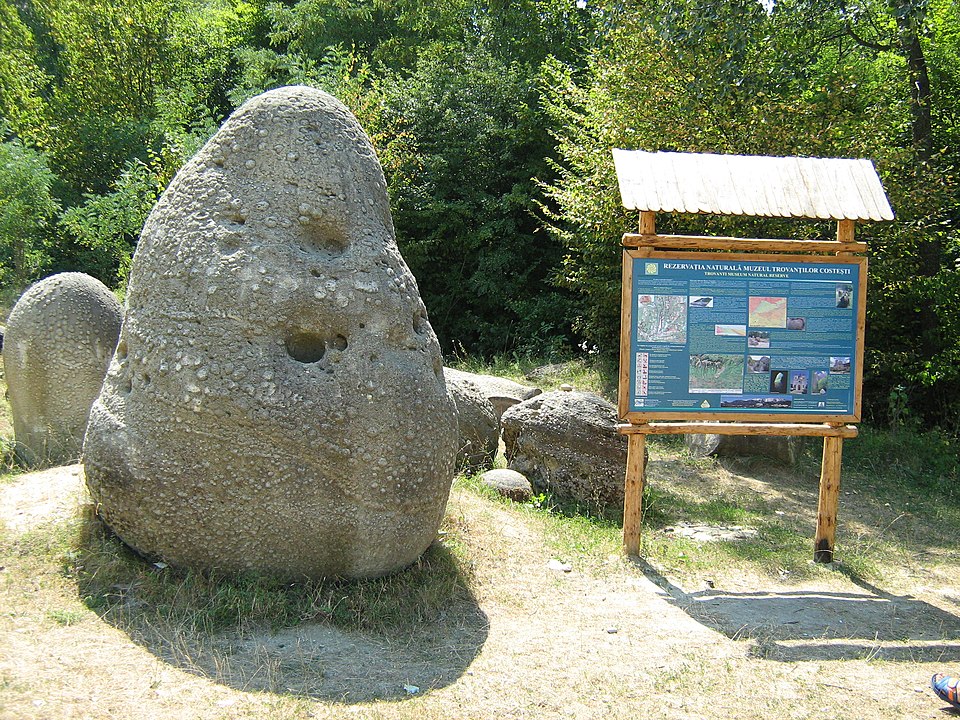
58,343
567,443
277,400
478,423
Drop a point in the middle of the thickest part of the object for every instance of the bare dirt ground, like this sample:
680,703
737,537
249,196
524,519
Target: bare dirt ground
611,638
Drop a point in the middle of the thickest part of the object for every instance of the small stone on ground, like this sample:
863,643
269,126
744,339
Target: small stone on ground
508,483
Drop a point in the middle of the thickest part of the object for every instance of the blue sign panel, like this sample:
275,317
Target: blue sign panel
741,336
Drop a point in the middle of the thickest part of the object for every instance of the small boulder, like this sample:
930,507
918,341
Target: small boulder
781,448
501,392
508,483
59,339
478,423
567,444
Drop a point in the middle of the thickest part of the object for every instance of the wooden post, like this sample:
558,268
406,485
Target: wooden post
648,223
846,232
829,497
633,492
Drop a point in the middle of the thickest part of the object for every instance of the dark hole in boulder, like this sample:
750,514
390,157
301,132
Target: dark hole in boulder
325,237
307,347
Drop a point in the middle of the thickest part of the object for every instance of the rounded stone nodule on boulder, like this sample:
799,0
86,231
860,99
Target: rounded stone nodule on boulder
58,343
277,400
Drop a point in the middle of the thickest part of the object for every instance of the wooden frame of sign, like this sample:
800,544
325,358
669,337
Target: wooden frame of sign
653,398
832,426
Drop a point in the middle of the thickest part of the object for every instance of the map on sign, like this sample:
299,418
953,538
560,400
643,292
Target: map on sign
768,312
662,318
741,336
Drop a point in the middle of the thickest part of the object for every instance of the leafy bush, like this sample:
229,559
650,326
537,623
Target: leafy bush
26,210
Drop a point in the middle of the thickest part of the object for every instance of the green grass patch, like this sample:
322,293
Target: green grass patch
573,536
915,463
66,616
663,507
123,588
572,530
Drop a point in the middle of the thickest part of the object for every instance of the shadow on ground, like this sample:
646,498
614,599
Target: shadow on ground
800,625
429,644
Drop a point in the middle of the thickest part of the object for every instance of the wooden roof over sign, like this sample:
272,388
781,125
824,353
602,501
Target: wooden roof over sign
786,187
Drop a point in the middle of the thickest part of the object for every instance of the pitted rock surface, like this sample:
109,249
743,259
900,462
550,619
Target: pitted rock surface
277,399
567,443
58,343
478,423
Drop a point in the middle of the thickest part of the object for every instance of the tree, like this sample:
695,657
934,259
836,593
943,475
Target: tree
26,209
106,227
22,81
462,188
797,80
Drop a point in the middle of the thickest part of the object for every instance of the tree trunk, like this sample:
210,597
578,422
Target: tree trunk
920,98
19,258
929,246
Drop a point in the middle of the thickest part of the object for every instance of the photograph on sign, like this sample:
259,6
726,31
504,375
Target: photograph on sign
731,336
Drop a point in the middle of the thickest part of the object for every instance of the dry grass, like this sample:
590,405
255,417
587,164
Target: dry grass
6,426
483,628
508,638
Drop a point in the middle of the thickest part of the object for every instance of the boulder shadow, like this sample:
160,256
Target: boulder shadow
389,638
799,625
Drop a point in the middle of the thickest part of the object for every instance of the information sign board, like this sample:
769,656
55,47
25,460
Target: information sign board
752,337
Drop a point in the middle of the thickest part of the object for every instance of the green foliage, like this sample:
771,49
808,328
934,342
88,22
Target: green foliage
21,79
106,227
26,208
731,78
111,58
494,122
462,195
907,464
118,95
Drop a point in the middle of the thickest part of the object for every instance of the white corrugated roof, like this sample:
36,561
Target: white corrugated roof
815,188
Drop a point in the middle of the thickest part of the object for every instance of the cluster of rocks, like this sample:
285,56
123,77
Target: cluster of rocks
566,442
275,398
481,401
562,442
